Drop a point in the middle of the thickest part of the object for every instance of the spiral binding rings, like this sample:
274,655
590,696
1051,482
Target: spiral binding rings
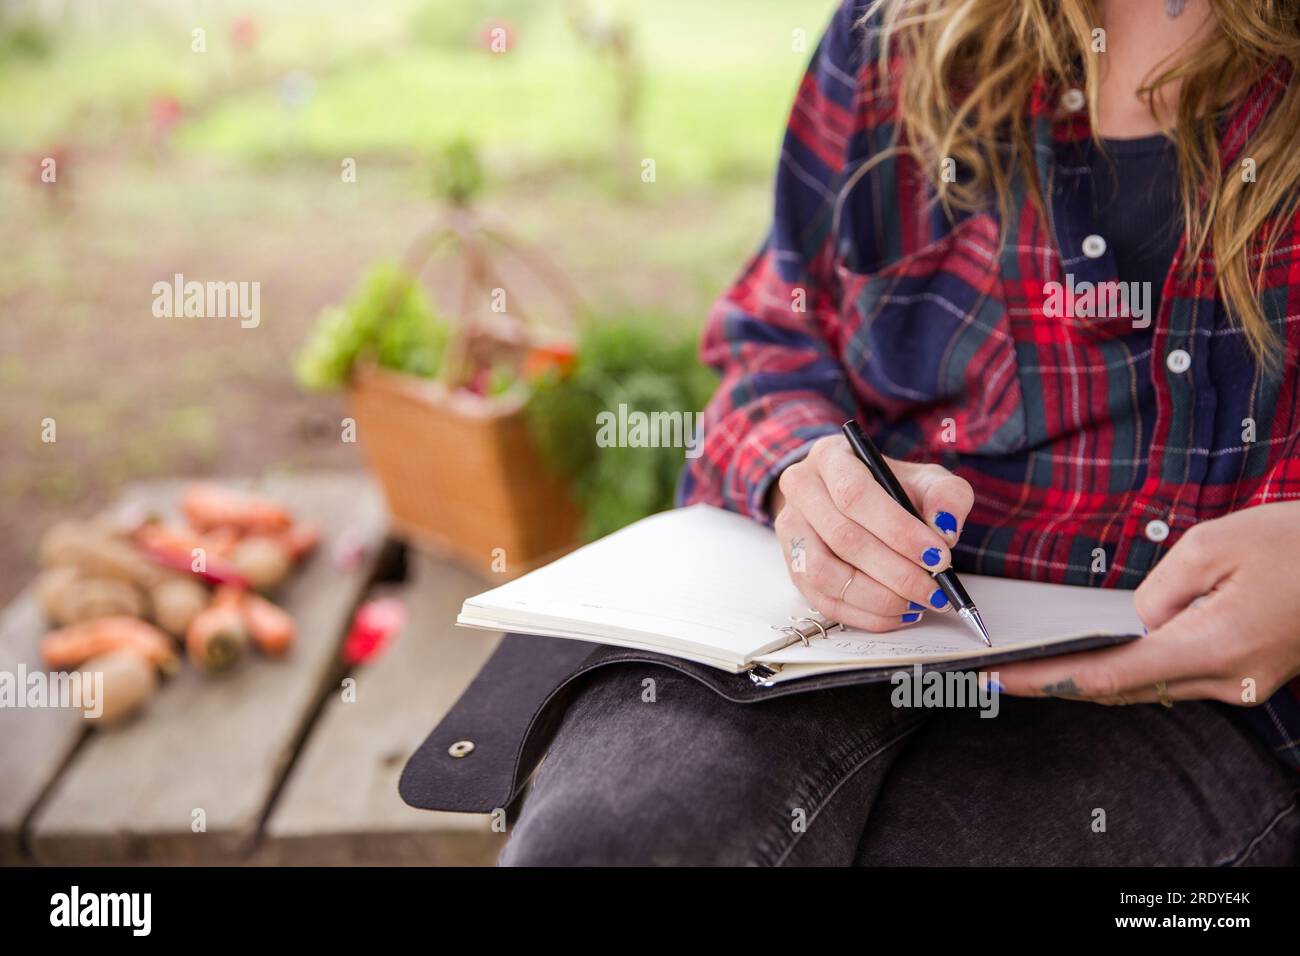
802,627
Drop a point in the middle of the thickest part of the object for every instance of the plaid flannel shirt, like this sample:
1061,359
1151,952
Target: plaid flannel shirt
1092,444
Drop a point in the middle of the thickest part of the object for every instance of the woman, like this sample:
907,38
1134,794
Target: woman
1048,252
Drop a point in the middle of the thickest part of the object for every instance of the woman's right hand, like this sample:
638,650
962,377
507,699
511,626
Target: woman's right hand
838,526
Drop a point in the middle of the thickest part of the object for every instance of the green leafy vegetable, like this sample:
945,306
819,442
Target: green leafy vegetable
631,363
388,319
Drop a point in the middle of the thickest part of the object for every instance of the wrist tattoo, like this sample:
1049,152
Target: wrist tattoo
1062,688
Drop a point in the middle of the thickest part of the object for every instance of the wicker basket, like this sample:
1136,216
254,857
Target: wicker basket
461,474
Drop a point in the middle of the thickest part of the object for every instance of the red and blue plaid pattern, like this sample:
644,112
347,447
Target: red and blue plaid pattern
1082,437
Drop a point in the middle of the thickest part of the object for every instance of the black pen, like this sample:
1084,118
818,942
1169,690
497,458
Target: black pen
870,456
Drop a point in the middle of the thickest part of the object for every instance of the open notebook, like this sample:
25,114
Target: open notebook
711,586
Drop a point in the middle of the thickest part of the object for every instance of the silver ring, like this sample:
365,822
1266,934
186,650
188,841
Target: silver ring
845,590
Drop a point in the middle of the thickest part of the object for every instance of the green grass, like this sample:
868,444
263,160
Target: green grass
717,79
106,65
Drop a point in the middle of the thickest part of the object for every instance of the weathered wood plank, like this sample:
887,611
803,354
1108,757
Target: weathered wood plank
340,804
217,744
36,743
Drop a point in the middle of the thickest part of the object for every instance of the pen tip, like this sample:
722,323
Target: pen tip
972,616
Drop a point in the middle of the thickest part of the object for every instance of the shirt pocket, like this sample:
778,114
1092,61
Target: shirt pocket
927,341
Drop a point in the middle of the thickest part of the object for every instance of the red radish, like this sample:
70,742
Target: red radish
373,625
215,571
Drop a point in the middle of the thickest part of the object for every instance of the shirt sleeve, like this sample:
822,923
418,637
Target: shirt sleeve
783,386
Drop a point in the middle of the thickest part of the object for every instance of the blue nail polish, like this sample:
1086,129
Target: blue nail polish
945,522
995,687
913,606
910,618
938,598
931,557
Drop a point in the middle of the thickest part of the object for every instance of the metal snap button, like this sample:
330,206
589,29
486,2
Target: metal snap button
461,748
1094,246
1179,360
1074,100
1157,530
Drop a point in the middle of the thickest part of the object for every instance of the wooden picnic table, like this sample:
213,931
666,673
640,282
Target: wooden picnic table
278,764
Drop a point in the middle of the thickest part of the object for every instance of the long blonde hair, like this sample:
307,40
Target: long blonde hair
969,68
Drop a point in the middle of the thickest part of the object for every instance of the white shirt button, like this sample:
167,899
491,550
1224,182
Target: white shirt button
1094,246
1178,361
1157,530
1074,100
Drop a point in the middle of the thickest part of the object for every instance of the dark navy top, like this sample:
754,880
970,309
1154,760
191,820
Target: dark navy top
1135,199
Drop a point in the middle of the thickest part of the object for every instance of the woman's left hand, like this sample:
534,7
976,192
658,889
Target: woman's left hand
1238,644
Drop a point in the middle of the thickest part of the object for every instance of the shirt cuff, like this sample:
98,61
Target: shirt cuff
776,443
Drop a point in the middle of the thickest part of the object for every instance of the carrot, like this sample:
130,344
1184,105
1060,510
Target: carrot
216,638
228,596
209,506
222,541
166,537
182,539
299,540
542,358
73,645
272,628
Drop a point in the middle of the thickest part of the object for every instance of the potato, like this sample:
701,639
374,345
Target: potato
58,545
67,597
176,603
263,561
96,554
50,586
128,682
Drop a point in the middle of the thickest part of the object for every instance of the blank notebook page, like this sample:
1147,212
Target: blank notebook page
694,578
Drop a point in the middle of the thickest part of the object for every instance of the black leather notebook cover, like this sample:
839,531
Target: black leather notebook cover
511,710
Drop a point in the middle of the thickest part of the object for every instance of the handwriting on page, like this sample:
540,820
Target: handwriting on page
861,647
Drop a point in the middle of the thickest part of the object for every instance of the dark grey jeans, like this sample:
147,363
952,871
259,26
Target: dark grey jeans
842,777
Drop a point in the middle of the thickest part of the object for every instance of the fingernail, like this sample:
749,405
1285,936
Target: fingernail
989,682
911,618
913,606
938,598
945,522
931,557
